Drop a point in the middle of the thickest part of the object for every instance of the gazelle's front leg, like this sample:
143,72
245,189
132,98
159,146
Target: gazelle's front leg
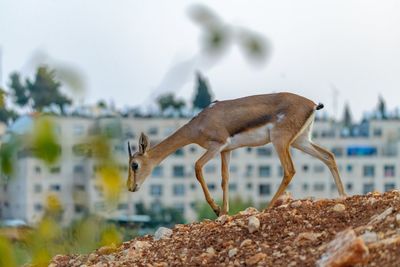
199,175
225,157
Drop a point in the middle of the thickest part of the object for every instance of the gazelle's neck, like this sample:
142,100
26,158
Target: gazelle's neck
169,145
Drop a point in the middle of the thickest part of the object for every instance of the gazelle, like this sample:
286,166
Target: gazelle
284,119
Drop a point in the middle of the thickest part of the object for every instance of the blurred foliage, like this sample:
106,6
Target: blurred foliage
44,140
168,100
42,92
5,113
203,97
218,35
7,257
236,204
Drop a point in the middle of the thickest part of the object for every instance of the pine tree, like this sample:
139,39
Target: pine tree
347,118
203,96
382,108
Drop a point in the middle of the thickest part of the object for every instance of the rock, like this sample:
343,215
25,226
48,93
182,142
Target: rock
346,249
162,233
284,199
232,252
210,250
248,211
306,237
379,218
371,201
339,207
106,250
398,219
246,242
92,257
295,204
253,260
253,225
369,237
139,245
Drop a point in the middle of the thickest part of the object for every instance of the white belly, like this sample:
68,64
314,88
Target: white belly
254,137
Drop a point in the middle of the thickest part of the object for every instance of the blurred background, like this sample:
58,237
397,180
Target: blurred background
78,80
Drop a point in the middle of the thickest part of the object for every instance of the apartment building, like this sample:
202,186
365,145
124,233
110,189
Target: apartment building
367,156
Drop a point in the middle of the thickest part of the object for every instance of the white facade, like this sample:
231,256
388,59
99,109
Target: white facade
368,160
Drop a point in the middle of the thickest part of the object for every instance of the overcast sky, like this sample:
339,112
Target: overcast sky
125,48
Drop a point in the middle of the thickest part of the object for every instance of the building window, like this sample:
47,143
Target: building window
264,189
156,190
38,207
210,168
249,149
377,132
157,171
78,169
361,151
319,168
55,169
337,151
193,186
264,171
305,187
38,170
79,187
55,187
178,171
79,208
389,186
305,168
122,206
233,169
180,207
179,190
78,130
264,151
349,168
192,149
319,187
349,187
99,206
249,186
249,170
38,188
179,152
389,170
369,187
153,131
369,171
211,186
233,187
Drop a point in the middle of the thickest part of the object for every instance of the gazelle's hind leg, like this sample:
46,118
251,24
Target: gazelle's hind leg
304,143
282,145
225,157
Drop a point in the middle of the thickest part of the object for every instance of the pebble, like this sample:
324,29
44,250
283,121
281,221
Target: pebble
339,207
253,225
369,237
232,252
246,242
210,250
255,258
398,218
162,233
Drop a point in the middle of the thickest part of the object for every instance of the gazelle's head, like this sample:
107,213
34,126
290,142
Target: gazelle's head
140,166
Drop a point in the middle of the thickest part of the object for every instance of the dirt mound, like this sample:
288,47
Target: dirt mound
357,230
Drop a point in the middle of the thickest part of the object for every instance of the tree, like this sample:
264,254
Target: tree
40,93
168,101
5,113
203,96
382,108
347,118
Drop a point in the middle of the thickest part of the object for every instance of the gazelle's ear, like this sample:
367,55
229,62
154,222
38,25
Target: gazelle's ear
143,143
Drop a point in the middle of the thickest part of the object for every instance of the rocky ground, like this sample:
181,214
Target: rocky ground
355,231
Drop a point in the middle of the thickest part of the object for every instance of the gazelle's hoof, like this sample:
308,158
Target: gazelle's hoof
217,211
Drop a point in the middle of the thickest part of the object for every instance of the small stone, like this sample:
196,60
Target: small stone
249,210
106,250
162,233
339,207
371,201
210,250
398,218
246,242
232,252
92,257
369,237
139,245
295,204
346,249
255,258
306,237
253,225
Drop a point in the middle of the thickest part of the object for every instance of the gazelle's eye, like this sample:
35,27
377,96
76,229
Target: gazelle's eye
134,166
